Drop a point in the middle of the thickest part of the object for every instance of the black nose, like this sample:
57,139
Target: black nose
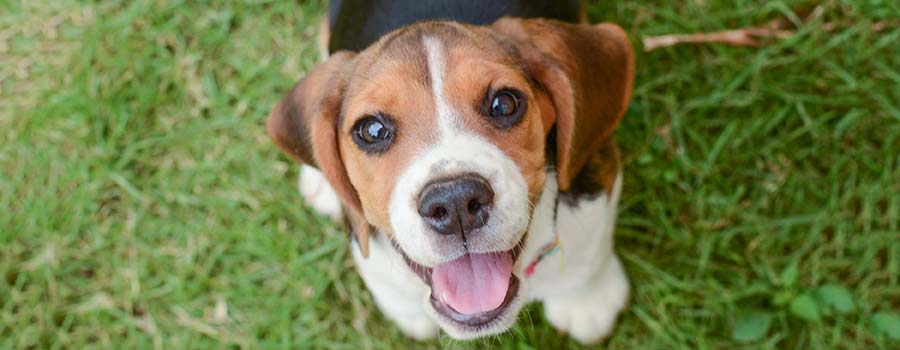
456,206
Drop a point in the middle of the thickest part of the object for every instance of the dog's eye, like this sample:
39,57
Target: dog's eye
504,108
504,104
373,134
372,131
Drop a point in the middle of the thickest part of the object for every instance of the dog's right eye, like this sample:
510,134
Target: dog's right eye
504,108
374,134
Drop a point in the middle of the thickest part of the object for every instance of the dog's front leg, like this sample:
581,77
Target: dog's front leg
589,313
318,193
399,294
588,307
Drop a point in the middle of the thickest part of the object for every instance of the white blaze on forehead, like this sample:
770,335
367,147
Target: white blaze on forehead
437,67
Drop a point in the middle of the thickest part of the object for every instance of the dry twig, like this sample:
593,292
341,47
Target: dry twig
751,36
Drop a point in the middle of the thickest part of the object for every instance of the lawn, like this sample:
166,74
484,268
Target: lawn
142,206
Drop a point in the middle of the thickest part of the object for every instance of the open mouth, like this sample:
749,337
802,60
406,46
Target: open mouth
474,289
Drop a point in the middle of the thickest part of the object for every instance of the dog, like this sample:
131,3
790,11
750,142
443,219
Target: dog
469,147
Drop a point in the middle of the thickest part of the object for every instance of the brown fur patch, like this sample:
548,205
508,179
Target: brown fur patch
390,80
472,71
587,71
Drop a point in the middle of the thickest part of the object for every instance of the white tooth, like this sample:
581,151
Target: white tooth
444,297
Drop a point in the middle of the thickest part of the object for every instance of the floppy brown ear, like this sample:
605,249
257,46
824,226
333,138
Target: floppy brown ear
587,70
304,125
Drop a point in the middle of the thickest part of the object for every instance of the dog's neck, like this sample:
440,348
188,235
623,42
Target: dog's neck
542,229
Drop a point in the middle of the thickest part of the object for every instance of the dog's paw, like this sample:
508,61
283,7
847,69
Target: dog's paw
317,192
590,314
419,327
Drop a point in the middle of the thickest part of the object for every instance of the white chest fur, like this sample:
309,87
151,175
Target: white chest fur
584,233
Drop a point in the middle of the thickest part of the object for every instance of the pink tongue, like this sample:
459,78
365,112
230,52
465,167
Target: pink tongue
473,283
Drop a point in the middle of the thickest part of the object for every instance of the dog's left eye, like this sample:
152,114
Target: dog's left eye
374,134
504,108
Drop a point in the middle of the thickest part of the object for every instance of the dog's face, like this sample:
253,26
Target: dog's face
437,136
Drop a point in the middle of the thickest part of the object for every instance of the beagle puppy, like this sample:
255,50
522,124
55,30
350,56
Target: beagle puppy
468,145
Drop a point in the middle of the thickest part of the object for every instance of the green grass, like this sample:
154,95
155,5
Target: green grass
143,207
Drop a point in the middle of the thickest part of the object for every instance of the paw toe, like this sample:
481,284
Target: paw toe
420,328
318,193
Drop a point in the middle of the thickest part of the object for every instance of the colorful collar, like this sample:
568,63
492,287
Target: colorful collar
545,250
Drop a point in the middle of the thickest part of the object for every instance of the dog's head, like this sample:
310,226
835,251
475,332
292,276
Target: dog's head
440,135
